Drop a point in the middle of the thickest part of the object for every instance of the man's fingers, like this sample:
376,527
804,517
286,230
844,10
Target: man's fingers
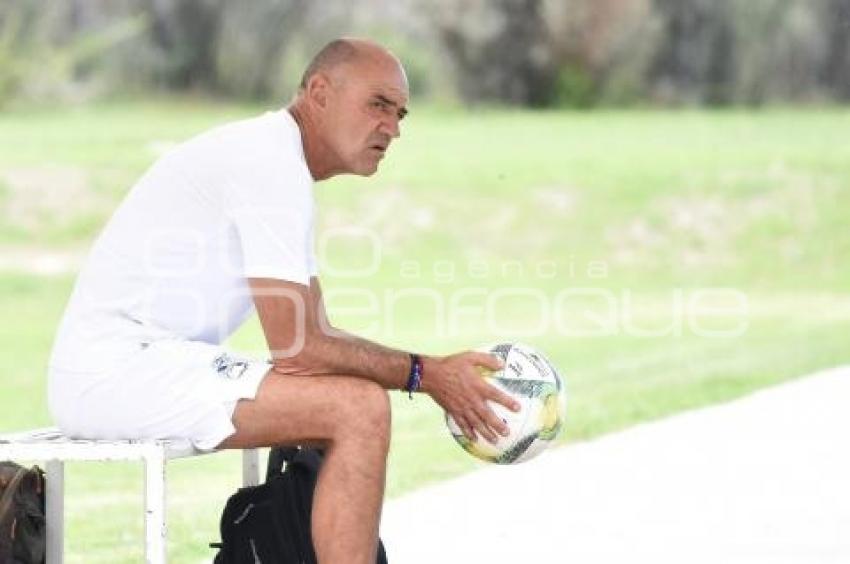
488,360
480,425
494,421
465,428
495,394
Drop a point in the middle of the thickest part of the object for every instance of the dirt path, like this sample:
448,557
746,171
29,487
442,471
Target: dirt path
764,479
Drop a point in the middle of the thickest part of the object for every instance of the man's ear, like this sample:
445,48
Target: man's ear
318,89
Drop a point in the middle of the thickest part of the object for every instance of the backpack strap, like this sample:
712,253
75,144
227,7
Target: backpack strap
8,518
311,458
278,456
9,495
292,496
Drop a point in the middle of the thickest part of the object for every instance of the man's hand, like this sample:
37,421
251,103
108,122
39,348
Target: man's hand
455,382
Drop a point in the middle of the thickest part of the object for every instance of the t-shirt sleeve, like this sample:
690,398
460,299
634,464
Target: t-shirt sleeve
273,218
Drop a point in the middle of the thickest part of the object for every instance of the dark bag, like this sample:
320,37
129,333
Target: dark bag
270,523
23,533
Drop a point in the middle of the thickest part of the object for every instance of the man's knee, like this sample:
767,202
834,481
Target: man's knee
366,410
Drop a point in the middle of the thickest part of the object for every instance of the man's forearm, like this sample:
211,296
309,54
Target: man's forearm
340,353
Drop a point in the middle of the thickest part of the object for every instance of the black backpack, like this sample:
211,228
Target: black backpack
23,533
270,523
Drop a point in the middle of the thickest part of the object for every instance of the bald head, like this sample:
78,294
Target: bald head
343,52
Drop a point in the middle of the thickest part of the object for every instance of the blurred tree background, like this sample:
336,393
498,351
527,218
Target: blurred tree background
539,53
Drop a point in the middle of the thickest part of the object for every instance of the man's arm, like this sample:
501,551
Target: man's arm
326,327
303,342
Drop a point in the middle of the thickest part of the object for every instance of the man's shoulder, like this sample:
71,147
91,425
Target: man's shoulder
257,129
265,141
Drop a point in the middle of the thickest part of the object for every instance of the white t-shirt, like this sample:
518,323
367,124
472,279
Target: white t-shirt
172,262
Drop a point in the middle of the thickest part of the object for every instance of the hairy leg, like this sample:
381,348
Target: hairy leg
350,417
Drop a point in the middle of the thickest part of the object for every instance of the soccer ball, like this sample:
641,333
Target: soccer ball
532,380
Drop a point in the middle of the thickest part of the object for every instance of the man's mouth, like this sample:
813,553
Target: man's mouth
379,147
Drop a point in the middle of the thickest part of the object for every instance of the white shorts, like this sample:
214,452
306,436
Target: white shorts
166,389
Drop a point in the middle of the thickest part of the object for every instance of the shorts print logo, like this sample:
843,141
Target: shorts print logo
228,367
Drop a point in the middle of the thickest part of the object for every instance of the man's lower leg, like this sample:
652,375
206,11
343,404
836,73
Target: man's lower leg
347,501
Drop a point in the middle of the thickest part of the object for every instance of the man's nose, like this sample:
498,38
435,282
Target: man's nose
391,127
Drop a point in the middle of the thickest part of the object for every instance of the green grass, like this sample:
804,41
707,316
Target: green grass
643,208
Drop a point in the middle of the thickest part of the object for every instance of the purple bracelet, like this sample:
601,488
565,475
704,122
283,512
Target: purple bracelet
414,380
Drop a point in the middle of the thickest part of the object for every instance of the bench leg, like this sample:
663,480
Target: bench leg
250,467
155,531
55,511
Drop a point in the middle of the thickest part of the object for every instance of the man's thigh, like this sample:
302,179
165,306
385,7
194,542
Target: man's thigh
308,410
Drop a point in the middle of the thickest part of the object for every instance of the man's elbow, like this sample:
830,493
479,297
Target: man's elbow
327,329
303,358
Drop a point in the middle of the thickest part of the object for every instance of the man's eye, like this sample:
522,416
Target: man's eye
380,105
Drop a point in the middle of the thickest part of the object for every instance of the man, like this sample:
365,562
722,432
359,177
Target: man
224,223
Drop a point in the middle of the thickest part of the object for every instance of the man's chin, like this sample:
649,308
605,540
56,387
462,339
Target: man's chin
366,169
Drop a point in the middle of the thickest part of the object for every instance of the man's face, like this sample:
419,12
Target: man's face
366,104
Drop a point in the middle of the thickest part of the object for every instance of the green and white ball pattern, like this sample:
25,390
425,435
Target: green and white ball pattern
532,380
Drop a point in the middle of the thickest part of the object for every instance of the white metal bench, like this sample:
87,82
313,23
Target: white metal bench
51,446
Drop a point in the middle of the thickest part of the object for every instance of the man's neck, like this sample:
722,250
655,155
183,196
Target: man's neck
317,154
